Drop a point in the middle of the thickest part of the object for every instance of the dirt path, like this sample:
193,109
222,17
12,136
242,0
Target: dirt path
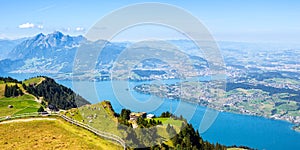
26,120
35,98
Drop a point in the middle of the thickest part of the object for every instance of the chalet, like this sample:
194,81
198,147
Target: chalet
150,116
134,115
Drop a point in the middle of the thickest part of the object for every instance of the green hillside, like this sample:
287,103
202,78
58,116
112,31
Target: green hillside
172,133
16,105
35,94
30,96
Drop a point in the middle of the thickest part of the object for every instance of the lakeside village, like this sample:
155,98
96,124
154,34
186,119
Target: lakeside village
254,102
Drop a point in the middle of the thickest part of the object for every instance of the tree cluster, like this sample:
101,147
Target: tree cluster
143,123
124,117
56,95
12,91
165,114
142,138
171,131
125,114
190,139
9,80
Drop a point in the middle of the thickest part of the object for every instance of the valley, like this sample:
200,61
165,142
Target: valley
150,75
267,86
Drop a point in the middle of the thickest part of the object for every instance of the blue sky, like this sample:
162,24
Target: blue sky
227,20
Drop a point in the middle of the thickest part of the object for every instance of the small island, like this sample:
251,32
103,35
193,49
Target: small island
297,128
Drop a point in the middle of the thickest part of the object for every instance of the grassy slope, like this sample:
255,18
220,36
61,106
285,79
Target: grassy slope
48,134
36,134
105,121
36,80
21,104
97,116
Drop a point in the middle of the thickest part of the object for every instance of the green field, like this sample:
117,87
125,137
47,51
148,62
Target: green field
166,121
50,134
266,105
161,129
21,104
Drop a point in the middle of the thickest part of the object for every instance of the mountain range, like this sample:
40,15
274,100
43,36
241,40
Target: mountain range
7,45
52,53
55,53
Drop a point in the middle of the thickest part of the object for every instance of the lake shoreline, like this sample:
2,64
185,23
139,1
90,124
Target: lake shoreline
229,128
295,127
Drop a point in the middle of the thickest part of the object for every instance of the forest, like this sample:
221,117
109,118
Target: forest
57,96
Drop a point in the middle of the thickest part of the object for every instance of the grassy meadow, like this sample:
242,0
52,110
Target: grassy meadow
21,104
98,116
50,134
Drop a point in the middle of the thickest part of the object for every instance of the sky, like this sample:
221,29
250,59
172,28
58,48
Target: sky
227,20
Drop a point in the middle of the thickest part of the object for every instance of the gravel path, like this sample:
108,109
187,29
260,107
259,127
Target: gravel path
26,120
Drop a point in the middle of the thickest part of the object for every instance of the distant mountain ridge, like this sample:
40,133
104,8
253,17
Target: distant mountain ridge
44,45
52,53
55,53
6,46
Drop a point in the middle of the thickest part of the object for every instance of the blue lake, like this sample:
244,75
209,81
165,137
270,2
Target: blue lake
228,128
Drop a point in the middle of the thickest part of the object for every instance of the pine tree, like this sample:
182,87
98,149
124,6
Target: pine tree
15,89
41,109
6,91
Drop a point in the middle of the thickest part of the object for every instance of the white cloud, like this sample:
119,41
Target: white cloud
79,29
26,25
30,25
40,26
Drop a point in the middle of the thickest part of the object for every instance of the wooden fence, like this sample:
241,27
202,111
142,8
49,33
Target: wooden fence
102,134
